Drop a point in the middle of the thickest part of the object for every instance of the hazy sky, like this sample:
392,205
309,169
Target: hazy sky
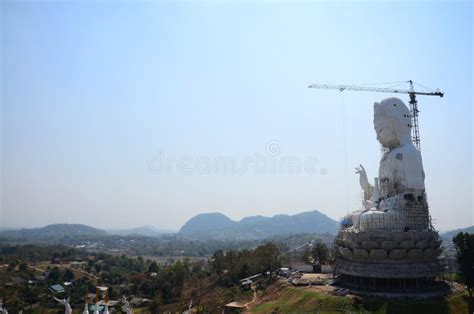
119,115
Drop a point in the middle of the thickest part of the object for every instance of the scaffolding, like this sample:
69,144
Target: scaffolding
404,212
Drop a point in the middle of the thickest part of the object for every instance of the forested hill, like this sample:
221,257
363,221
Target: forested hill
448,235
55,231
219,226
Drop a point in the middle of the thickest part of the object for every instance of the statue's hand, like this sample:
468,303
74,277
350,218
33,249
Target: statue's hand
363,181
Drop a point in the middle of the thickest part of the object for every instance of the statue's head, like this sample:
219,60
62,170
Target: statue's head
392,122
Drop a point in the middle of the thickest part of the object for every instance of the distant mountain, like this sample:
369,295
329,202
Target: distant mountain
203,223
55,231
448,235
147,231
219,226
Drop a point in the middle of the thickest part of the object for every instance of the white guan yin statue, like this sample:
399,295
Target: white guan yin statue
126,306
2,309
96,311
65,302
390,243
397,200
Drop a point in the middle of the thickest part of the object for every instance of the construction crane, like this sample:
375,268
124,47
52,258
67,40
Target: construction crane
411,92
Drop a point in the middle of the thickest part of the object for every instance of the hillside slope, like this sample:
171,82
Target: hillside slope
448,235
286,299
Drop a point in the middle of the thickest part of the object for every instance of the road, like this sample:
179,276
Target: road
65,266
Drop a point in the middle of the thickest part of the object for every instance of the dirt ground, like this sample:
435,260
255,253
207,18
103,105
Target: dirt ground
317,277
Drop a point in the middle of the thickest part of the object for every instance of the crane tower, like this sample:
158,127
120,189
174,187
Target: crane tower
410,91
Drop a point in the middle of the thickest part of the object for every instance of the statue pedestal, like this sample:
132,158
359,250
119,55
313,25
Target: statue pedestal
388,260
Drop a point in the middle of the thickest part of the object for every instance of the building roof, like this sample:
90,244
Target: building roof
113,303
91,296
102,288
100,308
56,288
250,278
138,301
236,305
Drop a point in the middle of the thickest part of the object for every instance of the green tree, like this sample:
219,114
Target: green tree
11,266
153,268
97,268
307,256
54,275
218,263
464,244
320,252
23,267
244,271
268,257
68,275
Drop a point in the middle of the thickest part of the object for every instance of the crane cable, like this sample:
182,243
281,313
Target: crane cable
344,128
427,88
381,83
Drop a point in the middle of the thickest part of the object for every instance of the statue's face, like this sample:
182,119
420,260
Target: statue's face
385,129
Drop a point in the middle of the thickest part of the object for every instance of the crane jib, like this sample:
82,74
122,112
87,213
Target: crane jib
411,92
374,89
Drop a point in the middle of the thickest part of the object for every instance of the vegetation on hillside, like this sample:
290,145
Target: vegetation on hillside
305,300
208,283
168,284
464,244
230,267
